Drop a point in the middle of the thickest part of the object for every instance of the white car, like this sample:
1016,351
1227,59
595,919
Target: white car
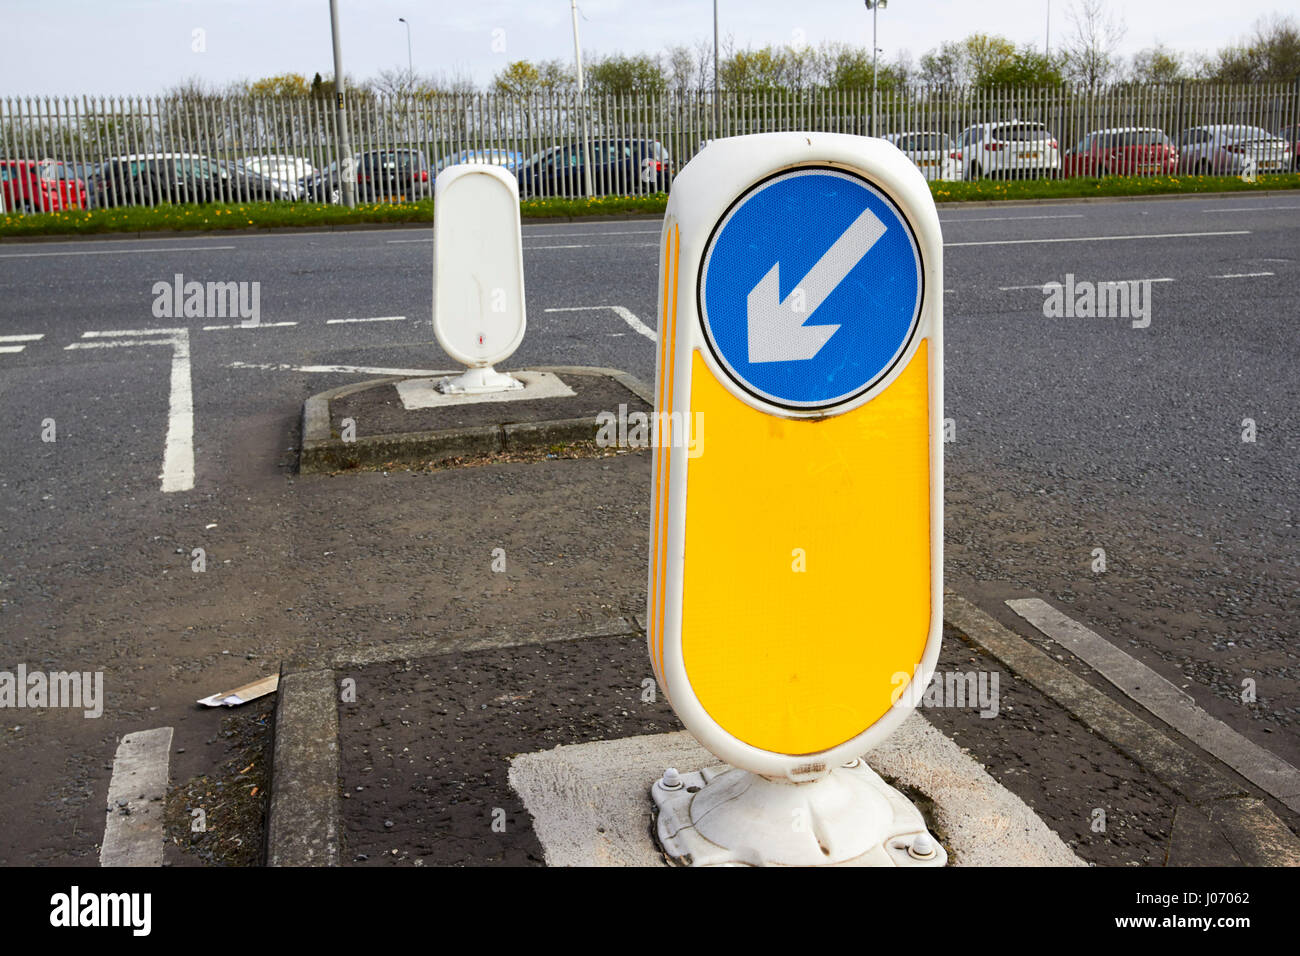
1008,149
286,169
1232,151
931,152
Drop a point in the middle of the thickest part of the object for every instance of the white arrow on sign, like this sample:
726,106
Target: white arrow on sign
776,329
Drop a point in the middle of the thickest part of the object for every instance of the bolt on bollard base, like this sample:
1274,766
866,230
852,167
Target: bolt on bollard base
722,816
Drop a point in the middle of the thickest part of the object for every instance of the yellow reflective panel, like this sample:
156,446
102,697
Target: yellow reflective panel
807,575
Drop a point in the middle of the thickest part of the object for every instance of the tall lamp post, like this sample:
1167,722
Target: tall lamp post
582,103
410,69
347,172
873,6
717,107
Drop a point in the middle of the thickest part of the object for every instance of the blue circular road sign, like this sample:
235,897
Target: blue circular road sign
810,288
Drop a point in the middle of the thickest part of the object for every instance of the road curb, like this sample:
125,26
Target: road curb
302,821
303,827
1256,835
320,452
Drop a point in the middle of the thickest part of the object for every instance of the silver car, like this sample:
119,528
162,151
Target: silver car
1231,150
931,152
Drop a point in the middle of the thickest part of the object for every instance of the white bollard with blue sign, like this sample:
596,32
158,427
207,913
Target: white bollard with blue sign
795,580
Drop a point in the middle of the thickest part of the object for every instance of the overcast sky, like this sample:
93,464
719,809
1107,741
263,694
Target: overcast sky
103,47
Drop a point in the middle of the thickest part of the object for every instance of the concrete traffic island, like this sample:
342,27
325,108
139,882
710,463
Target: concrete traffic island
408,421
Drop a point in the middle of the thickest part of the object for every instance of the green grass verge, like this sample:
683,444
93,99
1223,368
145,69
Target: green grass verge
215,216
986,189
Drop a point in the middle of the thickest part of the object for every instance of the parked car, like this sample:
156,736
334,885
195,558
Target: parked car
1232,149
246,185
1126,151
1291,134
932,153
149,179
382,175
1008,149
618,167
509,159
279,166
46,186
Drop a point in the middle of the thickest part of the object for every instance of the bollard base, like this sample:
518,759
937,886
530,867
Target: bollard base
722,816
474,381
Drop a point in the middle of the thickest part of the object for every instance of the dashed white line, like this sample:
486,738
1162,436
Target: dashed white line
137,792
1043,285
1073,215
1157,235
115,334
1250,208
376,318
611,232
599,245
12,348
109,252
22,338
623,313
1243,275
259,325
556,235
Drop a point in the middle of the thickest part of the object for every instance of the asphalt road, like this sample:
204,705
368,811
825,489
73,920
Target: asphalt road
1071,434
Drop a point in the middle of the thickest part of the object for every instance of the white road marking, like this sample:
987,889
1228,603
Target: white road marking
556,235
178,453
1073,215
137,792
22,338
1250,208
1158,235
600,245
625,314
109,252
377,318
178,458
12,348
109,335
611,232
1041,286
1166,700
259,325
1243,275
327,369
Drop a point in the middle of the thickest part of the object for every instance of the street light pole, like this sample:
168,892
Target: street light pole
874,6
717,107
582,102
410,69
347,172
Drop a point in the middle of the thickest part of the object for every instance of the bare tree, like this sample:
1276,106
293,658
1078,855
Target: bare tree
1090,48
394,82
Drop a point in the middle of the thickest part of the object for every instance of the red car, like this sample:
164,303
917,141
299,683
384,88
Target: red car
1130,151
39,187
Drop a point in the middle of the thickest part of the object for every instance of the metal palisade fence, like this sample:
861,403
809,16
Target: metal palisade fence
142,150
